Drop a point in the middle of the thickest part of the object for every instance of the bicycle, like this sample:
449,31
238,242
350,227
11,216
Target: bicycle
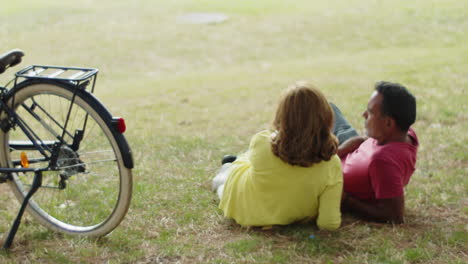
59,143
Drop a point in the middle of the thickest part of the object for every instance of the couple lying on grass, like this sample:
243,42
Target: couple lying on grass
313,164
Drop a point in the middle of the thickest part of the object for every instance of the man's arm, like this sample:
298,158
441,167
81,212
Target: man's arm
350,145
384,210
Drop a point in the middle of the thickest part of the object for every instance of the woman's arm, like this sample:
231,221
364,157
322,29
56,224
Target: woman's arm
329,214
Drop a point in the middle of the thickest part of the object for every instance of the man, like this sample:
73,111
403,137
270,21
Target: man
378,166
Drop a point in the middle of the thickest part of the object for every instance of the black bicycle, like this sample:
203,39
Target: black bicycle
61,151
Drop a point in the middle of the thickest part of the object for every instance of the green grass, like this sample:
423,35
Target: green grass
192,93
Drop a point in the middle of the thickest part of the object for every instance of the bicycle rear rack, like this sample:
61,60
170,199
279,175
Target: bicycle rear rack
57,73
74,75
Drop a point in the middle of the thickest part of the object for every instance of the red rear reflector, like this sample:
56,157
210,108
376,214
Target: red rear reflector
121,127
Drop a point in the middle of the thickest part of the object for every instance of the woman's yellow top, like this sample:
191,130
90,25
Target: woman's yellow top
263,190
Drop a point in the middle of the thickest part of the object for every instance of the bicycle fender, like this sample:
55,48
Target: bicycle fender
108,118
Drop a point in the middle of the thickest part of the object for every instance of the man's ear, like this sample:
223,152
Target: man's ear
390,122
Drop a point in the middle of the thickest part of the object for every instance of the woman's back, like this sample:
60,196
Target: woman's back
263,190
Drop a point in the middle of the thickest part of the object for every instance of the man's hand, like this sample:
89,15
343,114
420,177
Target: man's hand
350,145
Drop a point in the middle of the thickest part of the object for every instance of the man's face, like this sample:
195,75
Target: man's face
375,122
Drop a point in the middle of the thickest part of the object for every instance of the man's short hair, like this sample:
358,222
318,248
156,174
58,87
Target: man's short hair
397,103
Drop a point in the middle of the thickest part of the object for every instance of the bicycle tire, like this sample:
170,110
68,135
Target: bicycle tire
97,197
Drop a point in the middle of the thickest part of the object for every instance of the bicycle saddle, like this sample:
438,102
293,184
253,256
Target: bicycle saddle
10,59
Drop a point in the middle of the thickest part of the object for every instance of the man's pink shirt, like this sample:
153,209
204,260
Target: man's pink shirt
375,171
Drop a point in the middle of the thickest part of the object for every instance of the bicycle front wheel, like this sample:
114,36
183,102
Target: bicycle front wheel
90,190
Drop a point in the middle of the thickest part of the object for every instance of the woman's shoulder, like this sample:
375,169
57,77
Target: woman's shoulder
259,139
335,160
335,163
330,169
264,135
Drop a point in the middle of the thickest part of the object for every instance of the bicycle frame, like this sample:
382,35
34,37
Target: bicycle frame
80,78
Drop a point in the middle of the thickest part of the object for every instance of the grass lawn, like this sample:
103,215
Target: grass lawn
191,93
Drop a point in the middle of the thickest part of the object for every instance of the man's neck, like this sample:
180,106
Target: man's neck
395,137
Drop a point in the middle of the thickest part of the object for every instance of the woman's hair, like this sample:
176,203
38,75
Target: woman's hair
303,122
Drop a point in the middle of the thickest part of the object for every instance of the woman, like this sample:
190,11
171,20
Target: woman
289,174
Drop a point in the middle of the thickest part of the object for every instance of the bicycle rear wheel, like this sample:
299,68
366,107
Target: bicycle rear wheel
89,194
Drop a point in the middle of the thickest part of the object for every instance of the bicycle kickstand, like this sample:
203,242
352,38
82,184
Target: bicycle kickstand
37,182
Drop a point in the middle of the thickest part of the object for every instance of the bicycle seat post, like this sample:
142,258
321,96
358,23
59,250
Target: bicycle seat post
37,182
